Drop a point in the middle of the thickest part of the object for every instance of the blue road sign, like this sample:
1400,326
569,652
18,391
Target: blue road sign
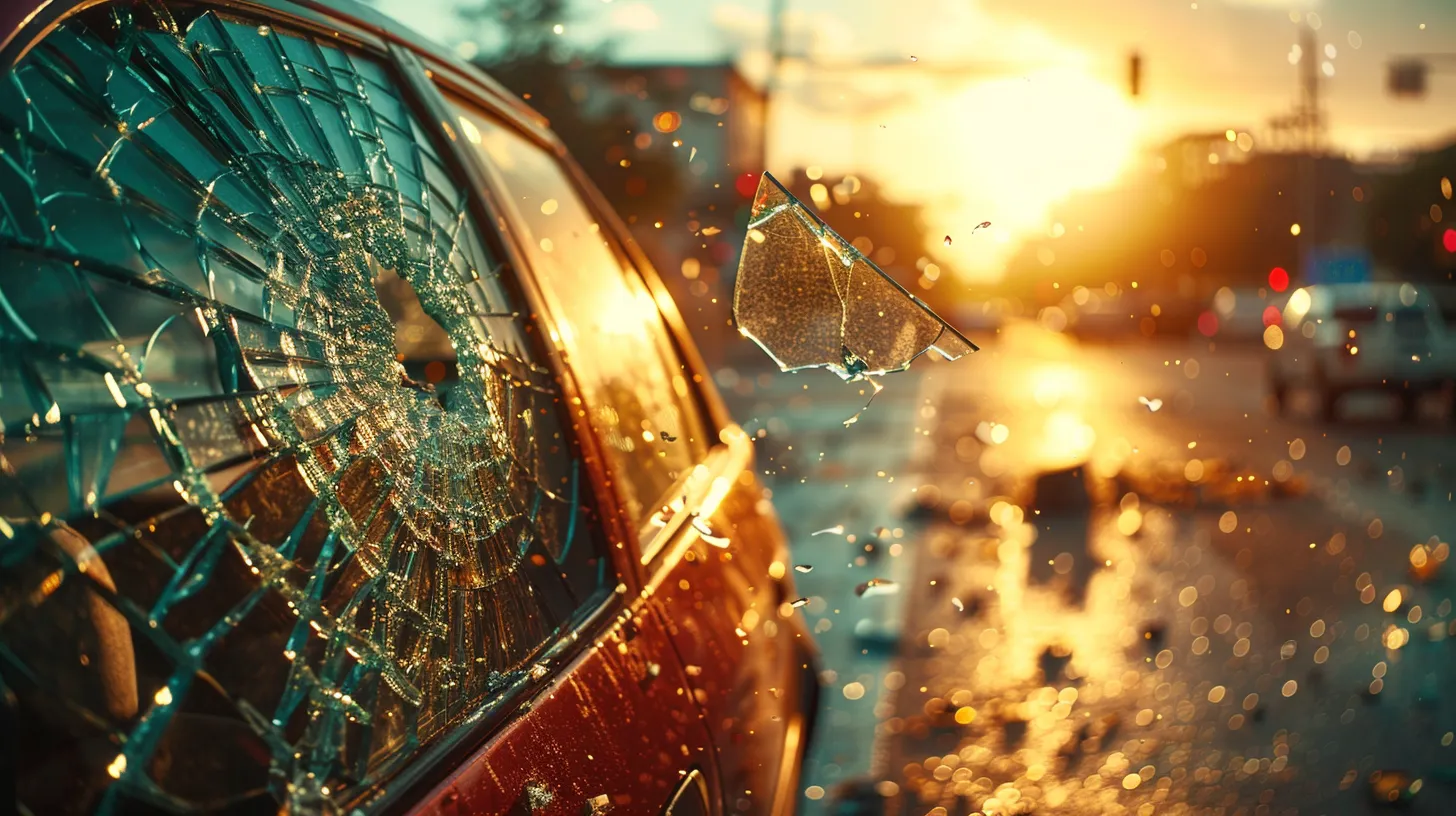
1337,264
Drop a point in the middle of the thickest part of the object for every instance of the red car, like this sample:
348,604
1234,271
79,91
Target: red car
354,460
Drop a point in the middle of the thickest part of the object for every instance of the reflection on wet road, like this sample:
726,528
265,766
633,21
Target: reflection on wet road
1127,589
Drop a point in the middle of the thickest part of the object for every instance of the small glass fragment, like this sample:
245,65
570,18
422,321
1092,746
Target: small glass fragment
947,240
1151,404
809,299
803,568
876,586
958,604
982,225
667,437
837,529
707,534
798,602
878,388
538,796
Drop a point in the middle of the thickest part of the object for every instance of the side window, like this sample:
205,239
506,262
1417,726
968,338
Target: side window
636,389
286,493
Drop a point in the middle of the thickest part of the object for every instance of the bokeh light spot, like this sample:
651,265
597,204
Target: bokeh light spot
746,184
1208,324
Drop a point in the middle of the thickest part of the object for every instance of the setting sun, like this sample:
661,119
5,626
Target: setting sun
998,148
1027,143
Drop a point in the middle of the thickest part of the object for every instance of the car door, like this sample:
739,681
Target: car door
616,730
297,515
712,555
719,575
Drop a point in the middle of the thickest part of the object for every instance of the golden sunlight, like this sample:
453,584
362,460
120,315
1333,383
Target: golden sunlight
1022,144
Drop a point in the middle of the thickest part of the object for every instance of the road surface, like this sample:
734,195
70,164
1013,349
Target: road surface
1123,585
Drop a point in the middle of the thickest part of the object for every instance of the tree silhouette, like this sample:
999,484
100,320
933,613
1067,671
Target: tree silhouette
563,82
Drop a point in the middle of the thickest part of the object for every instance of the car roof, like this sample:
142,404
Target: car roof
1382,293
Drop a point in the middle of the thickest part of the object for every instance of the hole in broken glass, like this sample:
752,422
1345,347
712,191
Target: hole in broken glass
427,357
809,299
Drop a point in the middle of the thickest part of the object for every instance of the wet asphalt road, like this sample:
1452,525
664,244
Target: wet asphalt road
1211,609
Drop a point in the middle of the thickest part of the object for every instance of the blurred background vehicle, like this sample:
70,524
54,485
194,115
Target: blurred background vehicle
1361,336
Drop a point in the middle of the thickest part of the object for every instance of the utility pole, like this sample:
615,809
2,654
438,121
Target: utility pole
1311,131
1311,117
776,10
1303,129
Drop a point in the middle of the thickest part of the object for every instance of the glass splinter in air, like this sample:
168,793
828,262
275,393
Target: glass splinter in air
811,300
876,586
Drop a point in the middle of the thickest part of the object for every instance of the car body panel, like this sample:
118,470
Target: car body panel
723,585
617,730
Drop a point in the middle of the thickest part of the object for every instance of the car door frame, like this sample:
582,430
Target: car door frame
436,80
431,80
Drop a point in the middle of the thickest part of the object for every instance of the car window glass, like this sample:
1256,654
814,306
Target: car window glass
638,392
285,492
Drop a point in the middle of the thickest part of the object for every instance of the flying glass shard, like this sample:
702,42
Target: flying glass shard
811,300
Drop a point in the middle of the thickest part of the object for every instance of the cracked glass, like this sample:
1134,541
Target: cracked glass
634,386
285,495
809,299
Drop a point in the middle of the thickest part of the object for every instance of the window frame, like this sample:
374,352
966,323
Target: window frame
724,452
416,65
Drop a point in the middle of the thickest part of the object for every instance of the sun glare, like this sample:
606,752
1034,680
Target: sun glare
1026,142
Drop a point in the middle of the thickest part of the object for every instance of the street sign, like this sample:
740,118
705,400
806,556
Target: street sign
1337,264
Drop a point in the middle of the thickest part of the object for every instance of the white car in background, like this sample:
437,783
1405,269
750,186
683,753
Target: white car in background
1341,338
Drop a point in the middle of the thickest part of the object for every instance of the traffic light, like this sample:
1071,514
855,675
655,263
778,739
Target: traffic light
1407,78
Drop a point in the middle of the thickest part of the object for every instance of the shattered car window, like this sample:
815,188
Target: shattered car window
811,300
285,495
636,390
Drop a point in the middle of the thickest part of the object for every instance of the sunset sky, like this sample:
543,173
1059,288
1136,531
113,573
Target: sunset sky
1040,108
